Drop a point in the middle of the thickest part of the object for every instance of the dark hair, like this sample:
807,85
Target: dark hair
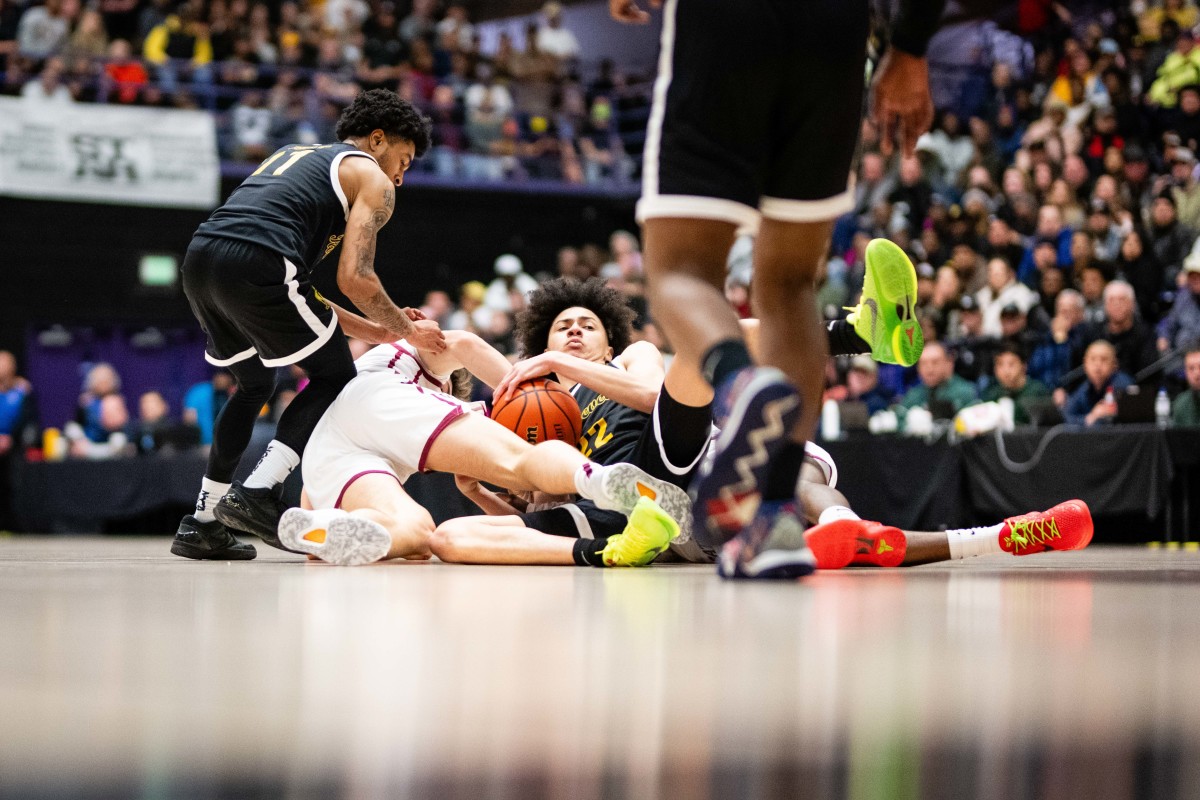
1012,347
555,296
381,109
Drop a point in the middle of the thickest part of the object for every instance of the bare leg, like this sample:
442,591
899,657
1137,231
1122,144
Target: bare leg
485,450
685,275
381,499
786,256
499,540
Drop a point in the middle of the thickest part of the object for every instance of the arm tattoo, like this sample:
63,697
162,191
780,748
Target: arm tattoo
380,308
366,235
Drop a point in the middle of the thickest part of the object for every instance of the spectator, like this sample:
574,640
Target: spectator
536,76
1002,290
17,410
252,127
1132,339
553,38
181,37
940,390
600,146
112,439
1185,410
155,430
1050,231
204,401
100,381
1181,68
1139,266
43,29
862,384
1180,328
1169,238
951,146
89,40
48,87
127,74
506,293
1091,403
914,192
1012,381
456,27
1051,359
420,23
470,304
1092,281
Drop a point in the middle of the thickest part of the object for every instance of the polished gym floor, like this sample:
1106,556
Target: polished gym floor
127,672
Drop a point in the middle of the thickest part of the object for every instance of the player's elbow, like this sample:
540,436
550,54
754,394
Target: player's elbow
448,541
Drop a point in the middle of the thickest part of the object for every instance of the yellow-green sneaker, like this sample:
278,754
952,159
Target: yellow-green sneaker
649,532
886,315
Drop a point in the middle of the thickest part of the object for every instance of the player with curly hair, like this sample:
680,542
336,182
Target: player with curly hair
247,275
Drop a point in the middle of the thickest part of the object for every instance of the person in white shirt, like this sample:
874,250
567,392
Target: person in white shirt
553,38
511,279
1002,289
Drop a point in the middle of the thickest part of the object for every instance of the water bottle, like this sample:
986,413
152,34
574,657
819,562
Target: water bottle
1162,409
831,421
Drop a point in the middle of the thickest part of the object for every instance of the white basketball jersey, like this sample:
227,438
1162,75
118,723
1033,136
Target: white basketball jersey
401,359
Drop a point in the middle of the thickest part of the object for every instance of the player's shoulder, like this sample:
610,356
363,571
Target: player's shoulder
638,353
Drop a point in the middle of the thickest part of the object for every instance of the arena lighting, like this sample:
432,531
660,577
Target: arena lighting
158,270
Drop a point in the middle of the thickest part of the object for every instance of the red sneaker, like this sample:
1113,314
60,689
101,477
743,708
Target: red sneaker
856,541
1067,526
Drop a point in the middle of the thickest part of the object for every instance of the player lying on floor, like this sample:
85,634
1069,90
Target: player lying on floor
575,327
397,417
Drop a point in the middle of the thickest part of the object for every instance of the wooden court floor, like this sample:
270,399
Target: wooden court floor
126,672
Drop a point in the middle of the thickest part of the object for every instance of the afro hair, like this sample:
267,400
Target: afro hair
381,109
555,296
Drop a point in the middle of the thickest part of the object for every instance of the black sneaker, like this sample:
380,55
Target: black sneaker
209,540
255,511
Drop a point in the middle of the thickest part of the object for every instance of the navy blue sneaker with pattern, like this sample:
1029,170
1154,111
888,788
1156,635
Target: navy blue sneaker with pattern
770,547
756,409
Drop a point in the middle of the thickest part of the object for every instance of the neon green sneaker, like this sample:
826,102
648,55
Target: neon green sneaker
649,532
886,315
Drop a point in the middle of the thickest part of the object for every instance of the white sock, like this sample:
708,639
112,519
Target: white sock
587,480
276,464
211,493
836,512
971,542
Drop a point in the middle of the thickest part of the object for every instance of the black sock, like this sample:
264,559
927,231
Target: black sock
844,340
785,473
723,359
587,552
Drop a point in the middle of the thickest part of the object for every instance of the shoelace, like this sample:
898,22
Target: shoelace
1033,531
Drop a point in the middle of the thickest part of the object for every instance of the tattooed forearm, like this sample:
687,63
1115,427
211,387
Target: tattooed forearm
380,308
365,263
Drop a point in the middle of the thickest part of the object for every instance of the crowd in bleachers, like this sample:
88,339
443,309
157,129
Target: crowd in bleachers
277,73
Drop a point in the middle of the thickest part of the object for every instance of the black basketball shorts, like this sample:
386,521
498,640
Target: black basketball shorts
251,301
756,110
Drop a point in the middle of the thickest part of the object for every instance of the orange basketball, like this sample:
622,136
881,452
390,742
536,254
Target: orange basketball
541,410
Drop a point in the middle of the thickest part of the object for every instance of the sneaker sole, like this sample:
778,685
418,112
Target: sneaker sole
245,553
770,565
232,518
892,279
625,484
653,531
835,544
349,541
758,426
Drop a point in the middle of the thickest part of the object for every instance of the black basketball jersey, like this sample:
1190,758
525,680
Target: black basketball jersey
611,431
292,204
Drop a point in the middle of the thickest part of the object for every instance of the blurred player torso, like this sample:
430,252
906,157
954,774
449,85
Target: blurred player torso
292,204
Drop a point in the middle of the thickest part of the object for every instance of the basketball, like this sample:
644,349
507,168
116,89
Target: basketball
540,411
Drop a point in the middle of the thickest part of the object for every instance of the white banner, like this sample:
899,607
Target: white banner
108,154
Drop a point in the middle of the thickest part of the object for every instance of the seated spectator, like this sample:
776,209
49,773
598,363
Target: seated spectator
113,439
1181,326
180,37
1052,231
1186,408
1014,329
1092,281
1051,358
101,381
553,38
940,391
1012,380
127,74
1132,338
17,410
1170,239
1002,290
600,146
1093,402
470,302
506,293
49,87
1139,266
204,401
43,29
155,430
862,384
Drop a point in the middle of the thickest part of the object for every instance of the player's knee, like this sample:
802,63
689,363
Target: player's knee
781,288
258,390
